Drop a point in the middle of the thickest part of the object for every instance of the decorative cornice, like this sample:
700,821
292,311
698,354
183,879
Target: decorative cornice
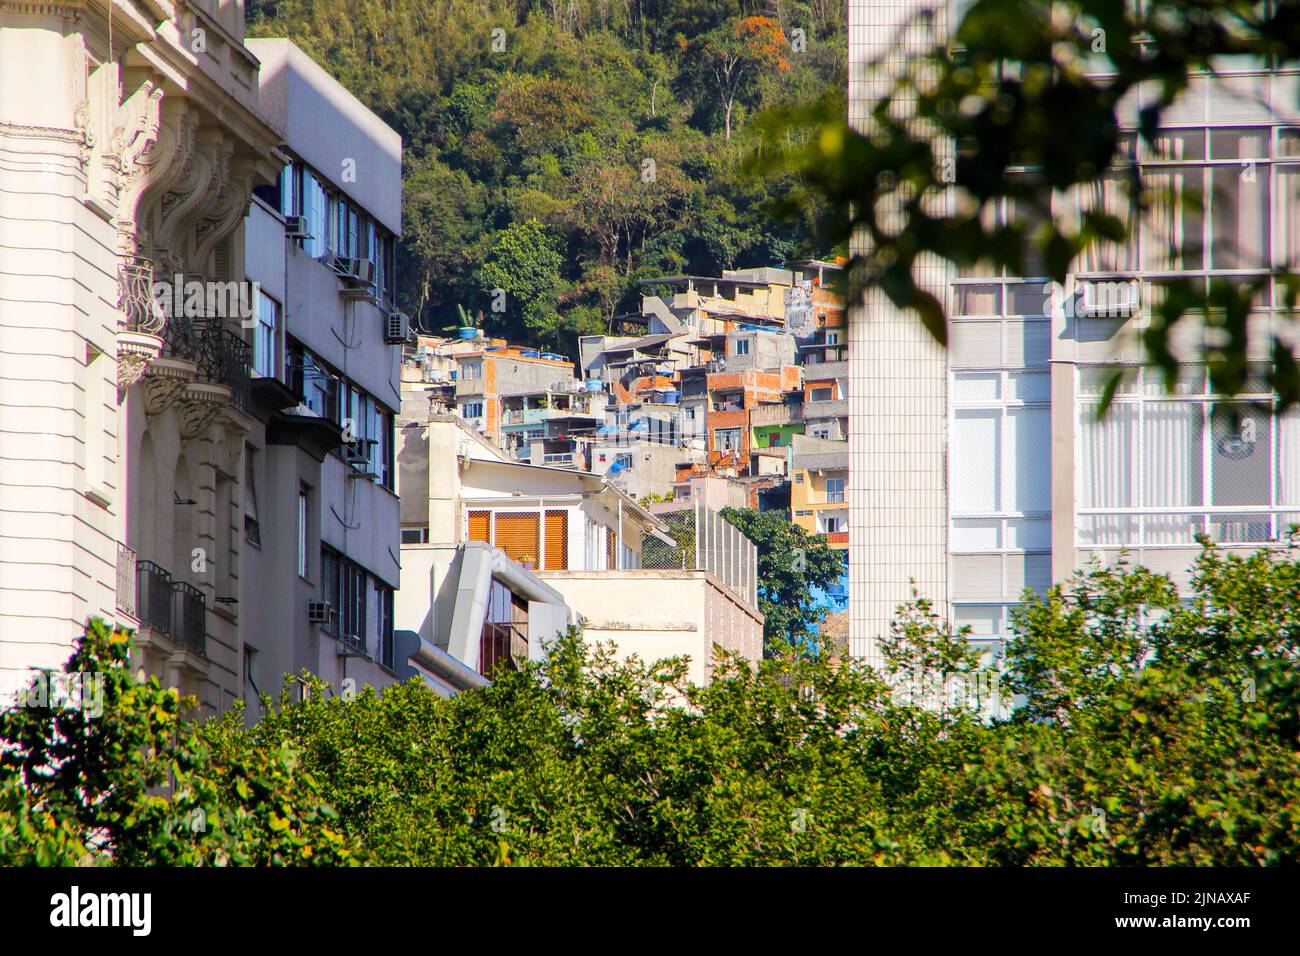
165,379
135,350
199,407
60,134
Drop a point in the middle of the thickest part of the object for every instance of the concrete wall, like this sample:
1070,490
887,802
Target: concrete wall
327,126
655,615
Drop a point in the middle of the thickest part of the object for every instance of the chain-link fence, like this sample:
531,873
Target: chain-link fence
702,540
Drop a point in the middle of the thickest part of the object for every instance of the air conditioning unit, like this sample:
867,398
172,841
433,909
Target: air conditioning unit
363,271
358,452
319,612
397,327
295,227
1101,298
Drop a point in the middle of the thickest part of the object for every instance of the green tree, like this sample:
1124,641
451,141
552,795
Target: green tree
522,273
129,781
791,562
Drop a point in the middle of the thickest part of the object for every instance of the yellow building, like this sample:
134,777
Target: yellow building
819,488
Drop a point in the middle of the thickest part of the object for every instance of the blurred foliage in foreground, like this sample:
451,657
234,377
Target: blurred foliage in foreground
1020,103
1151,731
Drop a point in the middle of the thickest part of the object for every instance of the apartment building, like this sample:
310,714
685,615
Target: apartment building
553,426
554,546
497,370
173,454
128,157
720,403
983,470
320,542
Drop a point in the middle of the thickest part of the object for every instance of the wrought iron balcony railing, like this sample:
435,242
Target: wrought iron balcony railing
222,355
126,580
153,591
224,359
135,298
189,617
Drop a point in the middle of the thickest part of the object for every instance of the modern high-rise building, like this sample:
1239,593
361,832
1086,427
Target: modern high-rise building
982,469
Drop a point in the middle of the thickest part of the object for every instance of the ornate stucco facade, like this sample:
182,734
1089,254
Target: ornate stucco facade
132,138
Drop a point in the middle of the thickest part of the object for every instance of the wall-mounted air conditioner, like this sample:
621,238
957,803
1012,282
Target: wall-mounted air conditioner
295,227
1108,298
397,328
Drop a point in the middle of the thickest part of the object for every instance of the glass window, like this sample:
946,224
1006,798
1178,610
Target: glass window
315,211
266,337
304,535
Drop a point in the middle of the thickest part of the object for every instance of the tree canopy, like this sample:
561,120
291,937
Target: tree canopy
621,129
1174,740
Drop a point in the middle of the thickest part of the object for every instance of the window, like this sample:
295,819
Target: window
823,393
821,432
834,490
266,337
832,524
1000,463
315,210
742,346
557,540
252,524
1161,468
352,621
471,410
798,477
832,338
304,514
415,536
312,380
331,586
384,607
726,439
471,371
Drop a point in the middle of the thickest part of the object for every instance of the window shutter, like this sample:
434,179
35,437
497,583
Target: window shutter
517,535
557,541
250,490
480,526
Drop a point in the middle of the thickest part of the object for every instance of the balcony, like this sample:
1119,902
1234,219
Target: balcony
835,408
189,618
135,297
139,333
126,581
221,355
776,414
153,596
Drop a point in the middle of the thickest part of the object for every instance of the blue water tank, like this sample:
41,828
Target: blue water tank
594,385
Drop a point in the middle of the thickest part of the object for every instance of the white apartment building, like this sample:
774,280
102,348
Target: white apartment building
127,151
173,465
981,469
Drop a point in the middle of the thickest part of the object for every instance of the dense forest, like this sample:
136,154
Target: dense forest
563,150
